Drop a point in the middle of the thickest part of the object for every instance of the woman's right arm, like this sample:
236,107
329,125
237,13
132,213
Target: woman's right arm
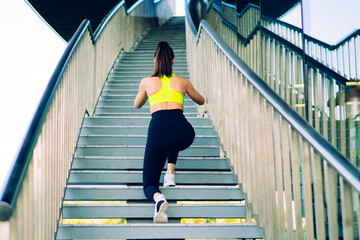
141,97
193,94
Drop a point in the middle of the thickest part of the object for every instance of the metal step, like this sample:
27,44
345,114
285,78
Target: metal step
131,109
159,231
127,177
177,193
120,97
135,210
136,140
183,163
130,97
141,61
133,130
139,150
135,121
139,114
150,53
130,103
180,70
145,64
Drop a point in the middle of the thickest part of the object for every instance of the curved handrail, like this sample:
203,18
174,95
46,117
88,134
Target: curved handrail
311,61
246,8
190,21
21,163
14,181
342,165
107,19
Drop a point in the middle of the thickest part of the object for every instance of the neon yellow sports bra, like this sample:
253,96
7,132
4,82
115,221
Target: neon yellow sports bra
166,93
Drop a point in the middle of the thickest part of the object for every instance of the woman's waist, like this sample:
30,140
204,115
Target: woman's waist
166,106
168,113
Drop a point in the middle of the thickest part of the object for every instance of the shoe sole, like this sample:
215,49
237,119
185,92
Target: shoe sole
169,185
161,217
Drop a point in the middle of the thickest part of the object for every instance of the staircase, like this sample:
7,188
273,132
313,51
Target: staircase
105,181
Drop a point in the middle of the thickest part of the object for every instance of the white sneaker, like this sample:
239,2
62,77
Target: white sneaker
169,180
161,206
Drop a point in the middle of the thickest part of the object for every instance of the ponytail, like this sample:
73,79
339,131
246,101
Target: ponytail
163,60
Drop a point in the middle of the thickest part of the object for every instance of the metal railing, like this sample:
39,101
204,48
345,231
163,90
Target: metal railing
343,57
280,63
32,199
293,179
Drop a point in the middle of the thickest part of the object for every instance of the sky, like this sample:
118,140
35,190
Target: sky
29,53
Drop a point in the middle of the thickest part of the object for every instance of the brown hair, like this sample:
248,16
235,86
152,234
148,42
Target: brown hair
163,57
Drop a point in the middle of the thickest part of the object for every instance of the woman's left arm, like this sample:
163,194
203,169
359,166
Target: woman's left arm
141,97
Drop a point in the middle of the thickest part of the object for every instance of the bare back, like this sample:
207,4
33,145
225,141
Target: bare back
151,85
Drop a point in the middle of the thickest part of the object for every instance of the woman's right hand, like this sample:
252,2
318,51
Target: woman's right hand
193,94
141,97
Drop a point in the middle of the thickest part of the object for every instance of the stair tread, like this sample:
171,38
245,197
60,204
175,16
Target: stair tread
108,163
146,210
168,231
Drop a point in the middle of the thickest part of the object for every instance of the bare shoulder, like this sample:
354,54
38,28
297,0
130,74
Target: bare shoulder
182,80
147,80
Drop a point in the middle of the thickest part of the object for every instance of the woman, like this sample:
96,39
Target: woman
169,131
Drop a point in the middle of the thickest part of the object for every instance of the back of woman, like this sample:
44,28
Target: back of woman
169,131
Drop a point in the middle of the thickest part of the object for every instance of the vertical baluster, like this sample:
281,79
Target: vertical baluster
351,131
296,184
342,130
346,209
242,109
310,99
252,140
247,103
331,197
317,176
258,53
264,180
259,158
307,190
45,184
316,97
347,60
340,60
272,65
279,173
267,61
287,69
324,103
237,139
293,92
282,74
271,172
31,198
301,89
277,68
286,153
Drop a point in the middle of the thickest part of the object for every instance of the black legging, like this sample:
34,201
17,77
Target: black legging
169,132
